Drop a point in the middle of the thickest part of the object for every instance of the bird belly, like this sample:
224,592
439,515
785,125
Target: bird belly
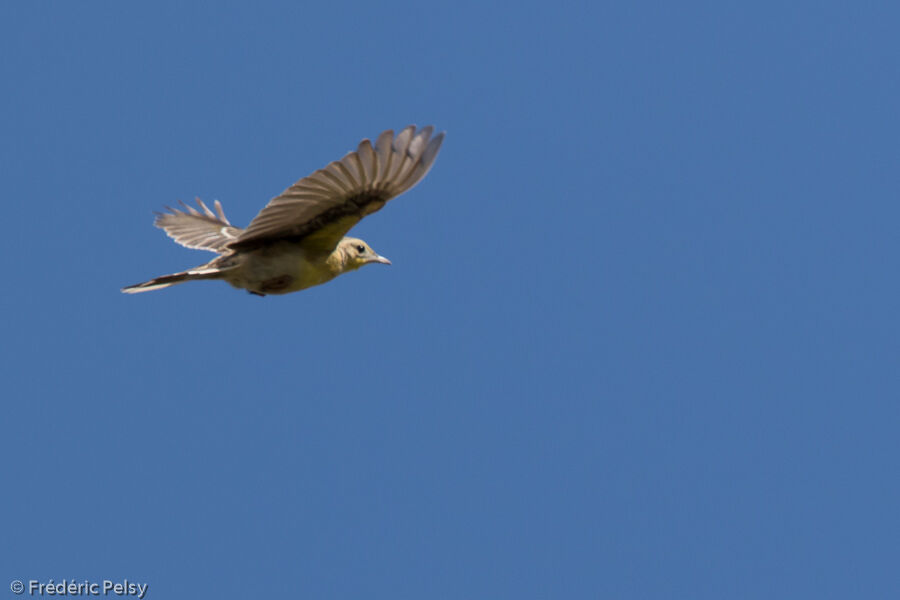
279,269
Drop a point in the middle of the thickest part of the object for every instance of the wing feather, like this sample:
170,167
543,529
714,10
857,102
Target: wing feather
368,162
335,177
421,165
323,206
200,230
385,153
399,148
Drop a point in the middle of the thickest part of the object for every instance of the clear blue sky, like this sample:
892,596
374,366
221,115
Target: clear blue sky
639,338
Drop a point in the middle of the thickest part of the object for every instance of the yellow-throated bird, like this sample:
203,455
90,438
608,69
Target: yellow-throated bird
297,241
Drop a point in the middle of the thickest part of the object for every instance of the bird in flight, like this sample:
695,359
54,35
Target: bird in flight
298,239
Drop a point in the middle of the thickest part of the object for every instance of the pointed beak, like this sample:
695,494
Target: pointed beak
380,259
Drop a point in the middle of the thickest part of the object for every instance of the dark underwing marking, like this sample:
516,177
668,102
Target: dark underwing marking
276,284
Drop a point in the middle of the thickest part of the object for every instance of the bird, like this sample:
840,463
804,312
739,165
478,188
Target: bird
298,240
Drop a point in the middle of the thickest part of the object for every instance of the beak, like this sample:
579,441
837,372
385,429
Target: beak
380,259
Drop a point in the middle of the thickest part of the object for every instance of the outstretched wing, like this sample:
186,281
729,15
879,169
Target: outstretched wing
203,231
321,208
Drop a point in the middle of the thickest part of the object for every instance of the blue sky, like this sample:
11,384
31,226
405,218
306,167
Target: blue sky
639,338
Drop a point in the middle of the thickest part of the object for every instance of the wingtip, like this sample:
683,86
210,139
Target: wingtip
437,140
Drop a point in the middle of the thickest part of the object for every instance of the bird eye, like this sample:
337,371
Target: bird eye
360,249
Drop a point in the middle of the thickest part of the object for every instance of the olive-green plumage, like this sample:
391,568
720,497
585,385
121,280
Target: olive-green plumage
298,240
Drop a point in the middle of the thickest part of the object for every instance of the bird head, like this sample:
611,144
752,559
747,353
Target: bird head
357,253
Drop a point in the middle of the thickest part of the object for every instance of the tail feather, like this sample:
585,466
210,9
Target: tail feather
165,281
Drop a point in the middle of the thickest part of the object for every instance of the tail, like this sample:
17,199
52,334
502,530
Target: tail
165,281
